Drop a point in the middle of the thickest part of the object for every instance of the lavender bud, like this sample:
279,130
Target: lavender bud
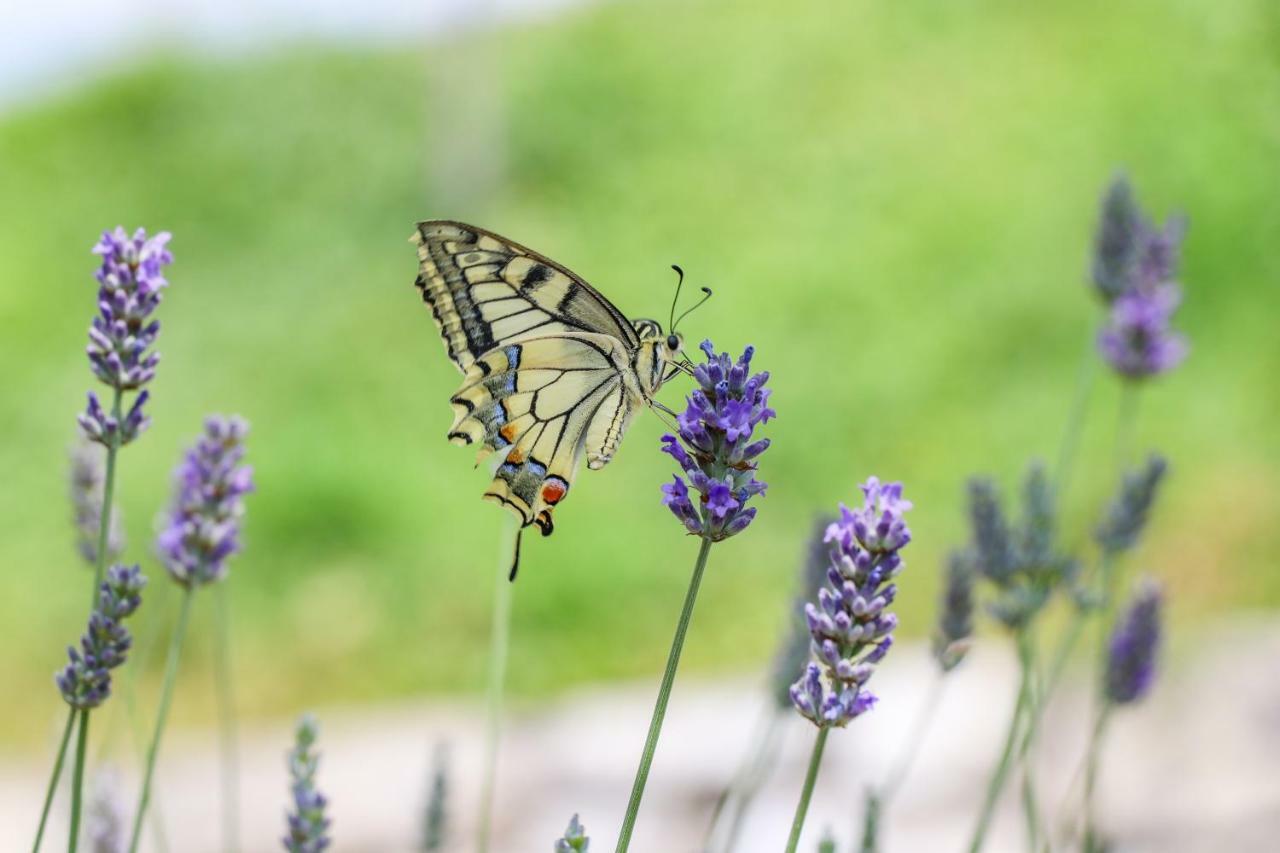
1116,243
203,529
1131,659
991,541
85,682
436,817
793,651
714,447
850,632
105,818
574,839
1127,516
1138,341
307,826
951,637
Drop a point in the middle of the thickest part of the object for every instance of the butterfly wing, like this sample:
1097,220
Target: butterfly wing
484,290
544,401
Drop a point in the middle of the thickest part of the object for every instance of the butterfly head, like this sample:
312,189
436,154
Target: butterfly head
659,351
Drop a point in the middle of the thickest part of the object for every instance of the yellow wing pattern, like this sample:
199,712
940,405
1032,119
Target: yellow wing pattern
544,400
485,290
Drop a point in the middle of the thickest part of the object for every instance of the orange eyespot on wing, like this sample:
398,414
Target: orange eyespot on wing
553,489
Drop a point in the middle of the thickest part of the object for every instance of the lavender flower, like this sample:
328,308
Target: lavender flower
574,839
86,481
307,824
850,628
793,651
436,816
1130,253
1138,341
1131,658
1021,562
714,446
1127,516
203,529
955,613
131,281
85,682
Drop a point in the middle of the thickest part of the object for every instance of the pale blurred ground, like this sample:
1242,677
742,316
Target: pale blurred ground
1194,769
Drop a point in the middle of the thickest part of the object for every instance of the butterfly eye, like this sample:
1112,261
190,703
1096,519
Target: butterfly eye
673,343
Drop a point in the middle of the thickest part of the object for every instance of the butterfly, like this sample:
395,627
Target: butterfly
552,370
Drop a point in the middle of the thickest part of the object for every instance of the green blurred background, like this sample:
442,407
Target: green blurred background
893,202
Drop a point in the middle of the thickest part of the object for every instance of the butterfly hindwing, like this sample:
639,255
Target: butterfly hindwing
544,402
485,290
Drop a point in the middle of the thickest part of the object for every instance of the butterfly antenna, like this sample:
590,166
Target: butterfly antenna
671,325
515,557
696,305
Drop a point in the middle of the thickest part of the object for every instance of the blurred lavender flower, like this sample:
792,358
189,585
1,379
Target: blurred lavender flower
1138,341
850,629
714,446
85,682
574,839
203,528
1022,563
952,634
1130,253
793,651
828,843
86,482
1131,658
131,281
105,821
1130,508
307,824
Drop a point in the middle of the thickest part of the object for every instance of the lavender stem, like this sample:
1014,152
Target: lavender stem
664,695
499,643
806,793
228,735
749,778
1020,710
77,781
1091,776
1085,377
53,779
915,736
162,714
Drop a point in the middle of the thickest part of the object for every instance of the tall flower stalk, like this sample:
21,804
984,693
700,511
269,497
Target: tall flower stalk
499,647
850,627
202,534
715,450
130,287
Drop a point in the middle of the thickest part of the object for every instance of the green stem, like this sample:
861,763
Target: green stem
108,494
228,736
1085,377
806,793
664,695
53,779
77,781
1091,778
1125,420
1002,766
499,642
1035,702
162,714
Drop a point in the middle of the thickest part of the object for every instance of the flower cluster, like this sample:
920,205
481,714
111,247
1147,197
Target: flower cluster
86,481
1127,515
130,284
1021,562
574,840
850,628
715,447
1131,654
85,682
308,827
955,613
203,529
1133,270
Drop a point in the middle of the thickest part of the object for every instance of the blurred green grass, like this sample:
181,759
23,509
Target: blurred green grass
893,204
